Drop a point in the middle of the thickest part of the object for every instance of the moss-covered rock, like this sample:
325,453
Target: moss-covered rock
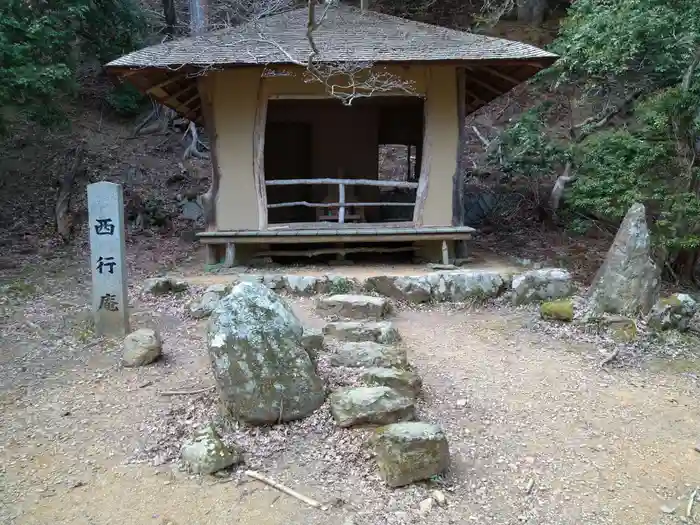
382,332
205,453
263,371
557,310
404,381
369,354
673,313
410,451
370,405
622,329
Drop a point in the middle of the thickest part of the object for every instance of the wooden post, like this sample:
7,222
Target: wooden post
107,257
458,195
341,200
445,253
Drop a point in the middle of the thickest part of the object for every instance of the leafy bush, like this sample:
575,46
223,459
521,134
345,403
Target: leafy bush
43,43
126,100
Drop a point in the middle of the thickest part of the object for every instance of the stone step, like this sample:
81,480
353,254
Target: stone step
370,405
404,381
410,451
382,332
368,354
349,306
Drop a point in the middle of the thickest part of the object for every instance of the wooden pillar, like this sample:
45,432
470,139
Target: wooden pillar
458,186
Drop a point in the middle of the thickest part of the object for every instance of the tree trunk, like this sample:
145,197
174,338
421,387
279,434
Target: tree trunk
532,11
198,16
683,265
170,17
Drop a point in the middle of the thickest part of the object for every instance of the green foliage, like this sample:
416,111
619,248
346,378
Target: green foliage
126,100
43,43
607,42
526,149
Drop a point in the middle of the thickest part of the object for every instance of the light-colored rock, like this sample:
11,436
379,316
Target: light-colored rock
622,329
673,313
350,306
275,282
259,363
141,347
562,310
439,497
405,381
467,285
541,285
163,285
339,284
219,289
410,451
305,285
204,306
413,289
628,281
368,354
376,405
205,453
425,506
382,332
313,341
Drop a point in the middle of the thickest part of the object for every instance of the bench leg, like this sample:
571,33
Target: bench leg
230,259
211,254
445,253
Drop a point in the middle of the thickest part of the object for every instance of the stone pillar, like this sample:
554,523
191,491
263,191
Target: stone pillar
107,258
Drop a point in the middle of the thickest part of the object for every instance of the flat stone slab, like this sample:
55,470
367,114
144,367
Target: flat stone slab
369,354
410,451
404,381
382,332
370,405
545,284
349,306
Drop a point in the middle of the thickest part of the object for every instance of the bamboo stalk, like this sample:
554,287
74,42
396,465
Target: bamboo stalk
293,493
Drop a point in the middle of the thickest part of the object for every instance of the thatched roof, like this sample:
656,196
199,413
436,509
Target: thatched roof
346,35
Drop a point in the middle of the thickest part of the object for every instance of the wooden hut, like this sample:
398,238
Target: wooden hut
295,167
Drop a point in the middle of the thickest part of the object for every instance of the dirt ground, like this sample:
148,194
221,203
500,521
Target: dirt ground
539,432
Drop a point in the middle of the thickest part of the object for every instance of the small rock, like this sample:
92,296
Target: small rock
413,289
203,307
404,381
163,285
541,285
141,347
674,312
669,507
205,453
378,332
312,340
439,497
349,306
368,354
697,448
303,285
378,405
219,289
425,506
557,310
461,403
410,451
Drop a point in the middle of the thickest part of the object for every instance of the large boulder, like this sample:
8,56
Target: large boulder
350,306
628,281
370,405
410,451
205,453
541,285
382,332
412,289
263,371
141,347
368,354
305,285
673,312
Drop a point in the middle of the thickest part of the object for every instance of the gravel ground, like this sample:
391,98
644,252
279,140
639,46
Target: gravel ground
540,433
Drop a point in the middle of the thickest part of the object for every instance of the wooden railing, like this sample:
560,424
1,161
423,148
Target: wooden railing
341,183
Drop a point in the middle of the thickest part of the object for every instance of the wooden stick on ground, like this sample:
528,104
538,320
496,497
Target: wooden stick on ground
186,392
309,501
